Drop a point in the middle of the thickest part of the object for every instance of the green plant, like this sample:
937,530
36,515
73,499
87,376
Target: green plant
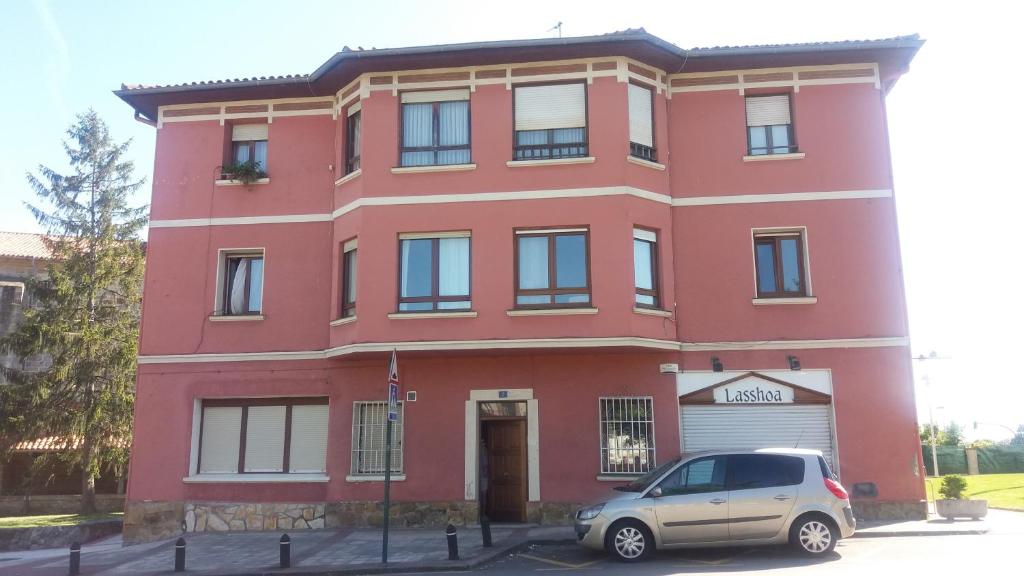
953,486
245,172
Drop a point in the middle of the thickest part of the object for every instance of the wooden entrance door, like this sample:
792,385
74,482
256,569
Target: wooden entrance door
506,448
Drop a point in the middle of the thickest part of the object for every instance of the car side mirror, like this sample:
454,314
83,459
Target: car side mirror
655,492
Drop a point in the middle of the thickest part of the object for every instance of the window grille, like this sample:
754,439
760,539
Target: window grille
369,440
627,435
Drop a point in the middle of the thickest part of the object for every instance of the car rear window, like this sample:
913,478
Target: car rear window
826,472
750,471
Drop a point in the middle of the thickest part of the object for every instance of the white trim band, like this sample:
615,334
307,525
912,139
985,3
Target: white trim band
238,220
254,478
891,342
784,197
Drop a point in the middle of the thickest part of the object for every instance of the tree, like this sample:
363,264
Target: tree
926,435
954,435
1018,438
86,314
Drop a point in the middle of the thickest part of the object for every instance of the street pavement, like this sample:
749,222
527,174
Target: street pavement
931,547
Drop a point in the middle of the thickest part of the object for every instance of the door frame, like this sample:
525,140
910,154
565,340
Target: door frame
472,439
520,422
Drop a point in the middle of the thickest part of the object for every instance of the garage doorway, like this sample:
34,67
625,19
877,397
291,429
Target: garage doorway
502,461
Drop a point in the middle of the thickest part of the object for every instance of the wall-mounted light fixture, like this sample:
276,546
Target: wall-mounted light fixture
794,362
716,364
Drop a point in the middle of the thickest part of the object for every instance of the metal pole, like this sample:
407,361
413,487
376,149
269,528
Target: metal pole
75,559
931,417
179,555
286,551
387,493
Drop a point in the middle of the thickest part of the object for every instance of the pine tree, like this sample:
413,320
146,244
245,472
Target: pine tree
85,317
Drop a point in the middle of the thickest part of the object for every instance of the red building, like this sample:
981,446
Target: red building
590,254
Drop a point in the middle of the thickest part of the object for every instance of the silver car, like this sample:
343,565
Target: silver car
722,498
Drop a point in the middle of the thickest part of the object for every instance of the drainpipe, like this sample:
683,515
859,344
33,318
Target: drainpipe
140,118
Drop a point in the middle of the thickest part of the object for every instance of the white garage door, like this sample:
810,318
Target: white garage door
728,427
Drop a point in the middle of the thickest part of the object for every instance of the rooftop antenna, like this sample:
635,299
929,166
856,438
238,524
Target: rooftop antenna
557,27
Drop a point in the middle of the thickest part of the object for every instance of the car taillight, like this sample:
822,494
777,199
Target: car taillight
837,489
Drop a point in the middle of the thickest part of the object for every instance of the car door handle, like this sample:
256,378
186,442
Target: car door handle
717,501
782,497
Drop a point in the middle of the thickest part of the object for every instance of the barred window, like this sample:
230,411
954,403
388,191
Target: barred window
627,435
369,438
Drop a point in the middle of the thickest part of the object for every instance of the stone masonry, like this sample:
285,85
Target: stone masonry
230,516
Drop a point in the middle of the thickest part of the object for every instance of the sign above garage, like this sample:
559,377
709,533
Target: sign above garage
753,390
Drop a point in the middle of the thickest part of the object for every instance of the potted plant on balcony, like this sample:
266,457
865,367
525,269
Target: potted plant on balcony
953,502
244,172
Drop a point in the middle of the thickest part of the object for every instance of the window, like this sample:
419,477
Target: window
435,128
369,438
750,471
550,121
265,435
696,477
627,435
243,284
348,278
434,272
769,125
641,123
552,268
779,258
645,267
353,138
249,145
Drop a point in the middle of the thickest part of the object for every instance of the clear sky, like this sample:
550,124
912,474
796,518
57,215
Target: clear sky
954,120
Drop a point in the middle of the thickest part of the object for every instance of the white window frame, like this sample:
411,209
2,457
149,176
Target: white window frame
650,424
397,442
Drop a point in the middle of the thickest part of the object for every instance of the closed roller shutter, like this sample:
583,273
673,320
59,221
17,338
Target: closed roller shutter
640,118
551,106
246,132
729,427
767,110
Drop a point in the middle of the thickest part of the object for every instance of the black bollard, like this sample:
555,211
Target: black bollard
76,559
485,530
286,551
179,555
453,543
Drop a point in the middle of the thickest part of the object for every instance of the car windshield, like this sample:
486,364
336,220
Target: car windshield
641,483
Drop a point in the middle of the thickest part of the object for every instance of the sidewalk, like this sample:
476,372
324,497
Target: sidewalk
997,521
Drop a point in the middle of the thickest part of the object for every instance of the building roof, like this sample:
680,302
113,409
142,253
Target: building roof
23,245
892,54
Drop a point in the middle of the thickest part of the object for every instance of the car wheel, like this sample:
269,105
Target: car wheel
629,541
813,536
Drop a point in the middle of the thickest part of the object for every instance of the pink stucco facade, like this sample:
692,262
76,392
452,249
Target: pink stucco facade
703,200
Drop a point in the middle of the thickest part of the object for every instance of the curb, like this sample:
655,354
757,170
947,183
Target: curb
893,534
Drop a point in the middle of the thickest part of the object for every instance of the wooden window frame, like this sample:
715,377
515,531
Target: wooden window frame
245,404
353,157
435,297
347,309
649,153
436,133
768,148
585,144
655,273
226,288
774,239
551,290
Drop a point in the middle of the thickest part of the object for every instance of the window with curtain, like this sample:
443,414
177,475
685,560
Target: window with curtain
552,268
645,268
641,123
779,262
369,438
349,251
434,273
627,435
243,284
353,138
249,145
550,121
263,435
435,128
769,125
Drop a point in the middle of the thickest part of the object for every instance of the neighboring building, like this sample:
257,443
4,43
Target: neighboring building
545,230
23,256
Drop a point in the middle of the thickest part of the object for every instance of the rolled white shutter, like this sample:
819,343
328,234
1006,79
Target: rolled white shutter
640,120
435,96
246,132
647,235
308,452
264,439
768,110
222,427
552,106
355,108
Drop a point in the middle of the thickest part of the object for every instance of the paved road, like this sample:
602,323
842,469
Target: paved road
990,554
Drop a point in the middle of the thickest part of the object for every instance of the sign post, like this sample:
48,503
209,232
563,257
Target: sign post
392,417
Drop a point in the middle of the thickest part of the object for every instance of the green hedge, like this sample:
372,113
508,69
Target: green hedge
992,460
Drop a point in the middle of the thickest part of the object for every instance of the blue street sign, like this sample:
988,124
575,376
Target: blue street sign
393,401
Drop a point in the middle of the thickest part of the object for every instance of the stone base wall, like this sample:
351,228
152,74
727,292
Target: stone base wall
403,514
876,510
231,516
56,504
145,521
552,513
55,536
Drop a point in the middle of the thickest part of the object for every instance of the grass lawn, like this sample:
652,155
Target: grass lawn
54,520
1001,490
